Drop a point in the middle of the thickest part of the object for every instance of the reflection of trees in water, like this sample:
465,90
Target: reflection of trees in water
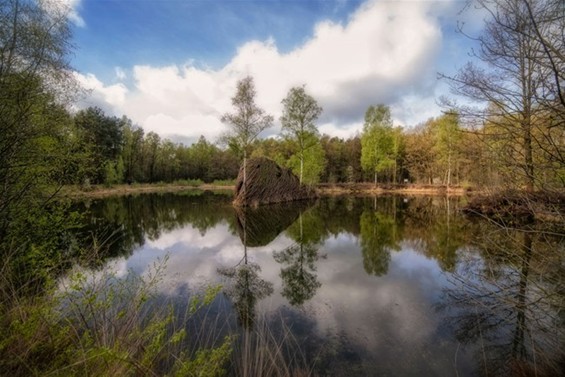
381,232
245,286
299,279
435,228
245,289
121,224
510,301
378,237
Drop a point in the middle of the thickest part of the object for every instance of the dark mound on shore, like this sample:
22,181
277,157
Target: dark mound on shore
519,206
267,183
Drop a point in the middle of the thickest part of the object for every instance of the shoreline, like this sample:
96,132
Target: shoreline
74,192
361,189
356,189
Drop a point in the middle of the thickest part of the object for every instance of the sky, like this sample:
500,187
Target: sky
172,65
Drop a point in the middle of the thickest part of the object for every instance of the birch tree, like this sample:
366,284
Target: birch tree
377,142
300,111
248,120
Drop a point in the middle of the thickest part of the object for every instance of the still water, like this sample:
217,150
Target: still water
386,286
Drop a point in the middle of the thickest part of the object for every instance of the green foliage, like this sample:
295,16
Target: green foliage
300,111
377,142
224,182
188,182
207,362
113,172
447,137
100,137
248,120
310,163
100,324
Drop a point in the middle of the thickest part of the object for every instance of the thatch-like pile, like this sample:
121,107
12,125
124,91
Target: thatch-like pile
519,207
267,182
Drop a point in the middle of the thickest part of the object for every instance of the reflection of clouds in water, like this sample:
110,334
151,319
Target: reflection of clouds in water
179,239
193,259
117,268
392,303
385,316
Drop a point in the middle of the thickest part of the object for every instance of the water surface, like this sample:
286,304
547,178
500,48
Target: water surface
364,286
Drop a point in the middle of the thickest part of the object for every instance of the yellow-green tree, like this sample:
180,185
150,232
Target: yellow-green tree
377,142
300,111
248,120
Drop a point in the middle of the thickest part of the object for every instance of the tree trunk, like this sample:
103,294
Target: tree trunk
528,159
394,172
448,170
244,171
301,167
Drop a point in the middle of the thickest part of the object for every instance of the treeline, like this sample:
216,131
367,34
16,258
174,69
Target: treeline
441,151
114,150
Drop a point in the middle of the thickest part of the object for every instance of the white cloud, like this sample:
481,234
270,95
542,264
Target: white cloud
68,6
120,73
385,53
108,97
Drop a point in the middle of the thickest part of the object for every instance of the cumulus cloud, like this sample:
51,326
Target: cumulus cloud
70,7
107,97
385,53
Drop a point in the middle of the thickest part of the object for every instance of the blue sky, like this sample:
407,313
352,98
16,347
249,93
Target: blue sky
162,32
172,65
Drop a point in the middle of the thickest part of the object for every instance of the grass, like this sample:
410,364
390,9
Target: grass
98,323
224,182
94,323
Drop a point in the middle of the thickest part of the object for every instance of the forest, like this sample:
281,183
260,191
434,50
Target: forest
108,150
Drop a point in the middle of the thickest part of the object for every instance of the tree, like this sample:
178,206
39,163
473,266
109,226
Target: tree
35,82
377,141
312,162
519,72
547,19
102,136
132,155
419,153
151,146
300,111
248,121
447,136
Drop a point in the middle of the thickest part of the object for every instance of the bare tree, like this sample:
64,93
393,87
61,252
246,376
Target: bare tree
512,80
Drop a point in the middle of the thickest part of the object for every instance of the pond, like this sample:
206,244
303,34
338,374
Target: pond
352,286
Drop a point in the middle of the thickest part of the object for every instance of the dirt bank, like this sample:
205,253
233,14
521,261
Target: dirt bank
361,189
325,189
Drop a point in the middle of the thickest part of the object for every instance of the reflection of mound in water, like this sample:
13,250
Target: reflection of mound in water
264,224
267,182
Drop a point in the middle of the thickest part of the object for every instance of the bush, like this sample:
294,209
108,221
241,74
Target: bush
97,323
